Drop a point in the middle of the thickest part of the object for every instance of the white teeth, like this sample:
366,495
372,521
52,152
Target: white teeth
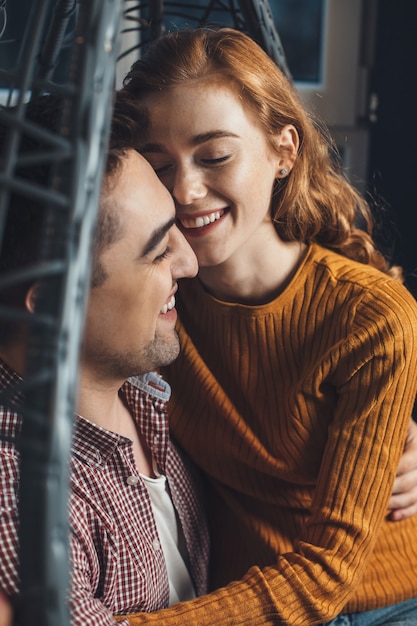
169,306
198,222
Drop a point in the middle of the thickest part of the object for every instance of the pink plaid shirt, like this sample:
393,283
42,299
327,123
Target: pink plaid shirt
117,562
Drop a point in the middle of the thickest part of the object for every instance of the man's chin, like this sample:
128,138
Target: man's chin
165,351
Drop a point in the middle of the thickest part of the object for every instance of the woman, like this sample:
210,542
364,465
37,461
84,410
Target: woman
299,344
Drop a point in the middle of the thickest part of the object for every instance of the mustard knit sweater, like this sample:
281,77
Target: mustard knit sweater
296,410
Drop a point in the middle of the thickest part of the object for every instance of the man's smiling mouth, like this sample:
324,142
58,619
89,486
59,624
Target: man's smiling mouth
168,306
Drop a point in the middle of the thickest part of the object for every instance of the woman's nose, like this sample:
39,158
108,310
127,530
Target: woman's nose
188,186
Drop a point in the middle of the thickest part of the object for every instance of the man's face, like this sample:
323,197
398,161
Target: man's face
131,315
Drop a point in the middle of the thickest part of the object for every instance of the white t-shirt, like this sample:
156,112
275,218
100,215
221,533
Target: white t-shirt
171,536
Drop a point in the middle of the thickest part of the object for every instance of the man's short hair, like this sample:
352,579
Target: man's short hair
129,122
21,243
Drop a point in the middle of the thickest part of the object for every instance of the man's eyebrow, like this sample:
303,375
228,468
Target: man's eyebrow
157,237
196,140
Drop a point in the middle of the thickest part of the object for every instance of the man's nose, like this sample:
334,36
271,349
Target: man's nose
185,261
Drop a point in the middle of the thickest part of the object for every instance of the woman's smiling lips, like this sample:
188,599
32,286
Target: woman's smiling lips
200,221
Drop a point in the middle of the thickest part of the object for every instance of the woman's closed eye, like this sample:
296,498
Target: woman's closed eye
216,160
159,164
161,169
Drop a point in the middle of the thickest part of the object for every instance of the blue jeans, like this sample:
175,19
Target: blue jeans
402,614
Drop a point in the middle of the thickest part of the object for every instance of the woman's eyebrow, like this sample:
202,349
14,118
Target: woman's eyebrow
151,147
196,140
212,134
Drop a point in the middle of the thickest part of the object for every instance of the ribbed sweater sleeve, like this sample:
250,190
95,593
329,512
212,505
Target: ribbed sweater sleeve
297,412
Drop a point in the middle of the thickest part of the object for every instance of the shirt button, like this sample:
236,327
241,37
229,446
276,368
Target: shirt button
132,480
156,545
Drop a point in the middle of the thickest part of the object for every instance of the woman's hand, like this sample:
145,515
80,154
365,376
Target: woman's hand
403,502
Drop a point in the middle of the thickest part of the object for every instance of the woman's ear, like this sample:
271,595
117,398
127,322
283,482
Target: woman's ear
287,143
30,300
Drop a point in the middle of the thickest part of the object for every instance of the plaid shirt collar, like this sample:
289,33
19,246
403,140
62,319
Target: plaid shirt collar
146,397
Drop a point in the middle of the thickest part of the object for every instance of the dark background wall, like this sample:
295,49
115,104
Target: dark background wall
393,147
392,168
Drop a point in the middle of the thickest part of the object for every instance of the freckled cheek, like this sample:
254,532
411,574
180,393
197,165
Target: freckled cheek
234,186
245,176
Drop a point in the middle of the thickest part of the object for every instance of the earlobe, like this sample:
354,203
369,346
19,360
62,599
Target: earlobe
287,147
30,300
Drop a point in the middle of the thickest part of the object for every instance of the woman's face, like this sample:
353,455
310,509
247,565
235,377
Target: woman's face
209,151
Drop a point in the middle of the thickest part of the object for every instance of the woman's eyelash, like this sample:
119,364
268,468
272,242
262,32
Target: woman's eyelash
162,169
218,159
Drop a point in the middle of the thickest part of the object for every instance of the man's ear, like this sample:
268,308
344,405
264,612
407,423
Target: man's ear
30,300
287,143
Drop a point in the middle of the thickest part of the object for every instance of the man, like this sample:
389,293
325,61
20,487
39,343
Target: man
138,535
